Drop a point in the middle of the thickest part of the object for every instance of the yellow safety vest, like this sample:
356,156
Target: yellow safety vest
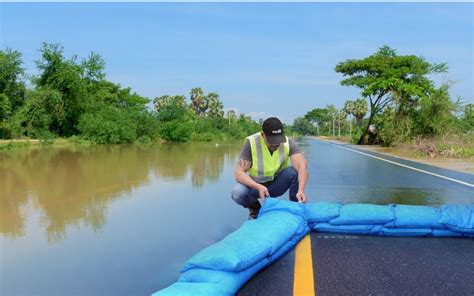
265,165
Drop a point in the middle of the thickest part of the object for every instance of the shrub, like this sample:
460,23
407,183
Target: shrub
109,125
176,122
176,130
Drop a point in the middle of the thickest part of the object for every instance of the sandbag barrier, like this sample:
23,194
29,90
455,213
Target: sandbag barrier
222,268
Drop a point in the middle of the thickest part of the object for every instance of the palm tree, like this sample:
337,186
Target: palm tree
216,108
231,115
198,101
359,110
340,116
349,109
332,110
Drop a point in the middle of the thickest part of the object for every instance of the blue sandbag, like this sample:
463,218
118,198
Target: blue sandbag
445,233
365,214
237,251
304,230
249,244
278,227
275,204
223,268
322,211
351,229
193,289
459,218
231,280
406,231
416,217
235,280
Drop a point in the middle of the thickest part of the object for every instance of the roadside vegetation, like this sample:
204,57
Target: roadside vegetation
70,98
399,106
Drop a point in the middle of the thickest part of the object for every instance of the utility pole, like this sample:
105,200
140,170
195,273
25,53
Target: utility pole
333,123
350,124
339,127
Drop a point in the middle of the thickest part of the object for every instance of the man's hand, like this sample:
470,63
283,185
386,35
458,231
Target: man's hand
301,197
262,192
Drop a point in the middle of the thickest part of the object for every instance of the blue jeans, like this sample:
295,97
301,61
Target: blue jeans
284,180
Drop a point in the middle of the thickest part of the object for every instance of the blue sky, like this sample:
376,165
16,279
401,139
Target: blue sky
262,58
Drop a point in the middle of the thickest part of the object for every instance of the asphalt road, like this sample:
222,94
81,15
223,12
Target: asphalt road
367,265
338,174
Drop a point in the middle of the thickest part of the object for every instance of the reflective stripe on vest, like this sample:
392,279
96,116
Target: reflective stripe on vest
265,165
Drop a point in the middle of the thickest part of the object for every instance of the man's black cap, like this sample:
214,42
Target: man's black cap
273,130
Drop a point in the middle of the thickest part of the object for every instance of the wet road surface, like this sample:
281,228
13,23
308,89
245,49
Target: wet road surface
367,265
364,265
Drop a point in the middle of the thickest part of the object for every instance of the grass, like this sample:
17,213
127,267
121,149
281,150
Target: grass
75,141
27,143
449,146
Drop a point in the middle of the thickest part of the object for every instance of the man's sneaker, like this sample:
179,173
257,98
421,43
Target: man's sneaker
253,212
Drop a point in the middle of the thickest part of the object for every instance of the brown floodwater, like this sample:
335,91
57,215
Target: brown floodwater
123,219
109,219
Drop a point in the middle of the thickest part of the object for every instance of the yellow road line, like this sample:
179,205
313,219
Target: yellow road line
303,283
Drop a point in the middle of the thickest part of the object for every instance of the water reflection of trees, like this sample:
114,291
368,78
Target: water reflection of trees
73,186
411,196
378,195
202,161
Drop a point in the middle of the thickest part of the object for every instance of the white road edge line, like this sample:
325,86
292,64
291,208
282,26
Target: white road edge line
405,166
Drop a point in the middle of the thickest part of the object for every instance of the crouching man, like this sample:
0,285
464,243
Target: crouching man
263,168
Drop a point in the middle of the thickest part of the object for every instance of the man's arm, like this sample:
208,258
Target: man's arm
299,163
241,176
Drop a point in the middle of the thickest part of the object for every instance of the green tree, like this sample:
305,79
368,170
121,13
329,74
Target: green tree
392,128
5,107
231,116
357,108
340,119
108,125
40,116
163,101
12,88
75,80
93,68
176,122
198,101
64,76
303,126
386,76
435,115
320,117
468,118
117,115
11,80
215,106
348,107
5,113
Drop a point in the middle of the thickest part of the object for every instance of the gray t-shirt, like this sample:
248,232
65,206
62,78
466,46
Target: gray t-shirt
246,152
